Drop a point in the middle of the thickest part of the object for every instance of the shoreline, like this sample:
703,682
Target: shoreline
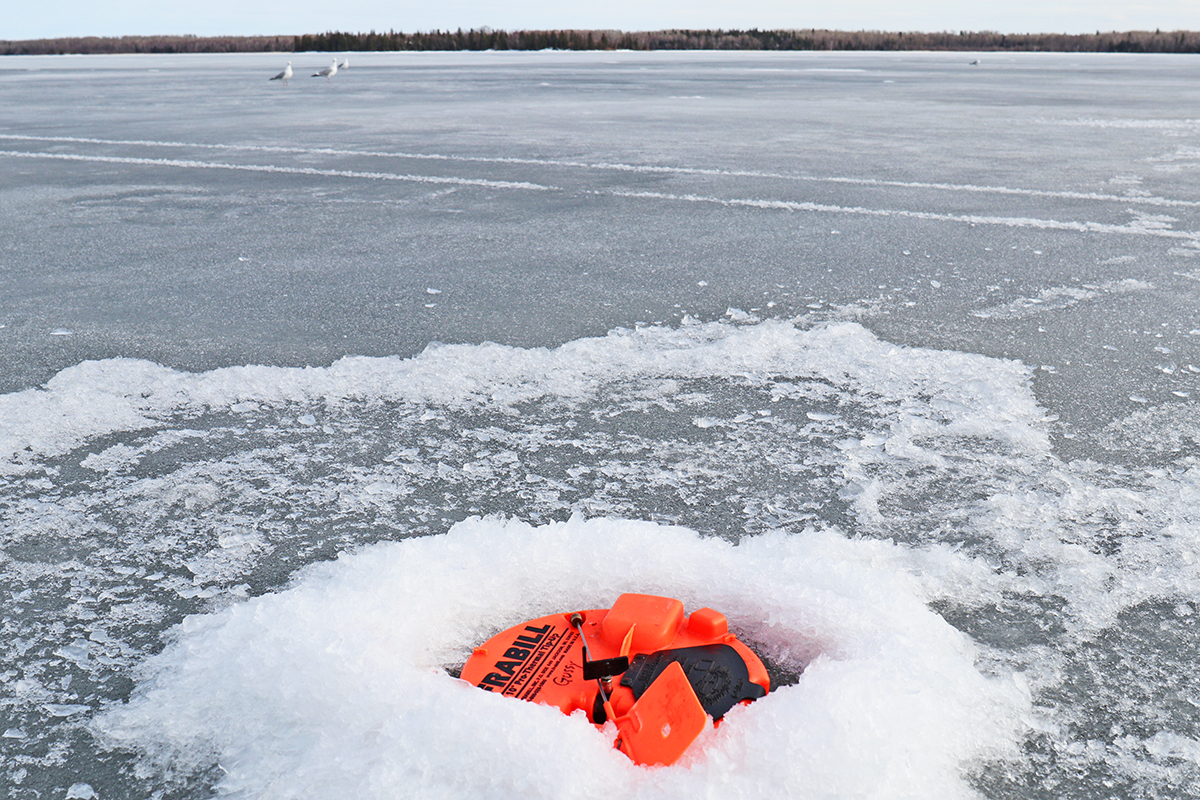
748,40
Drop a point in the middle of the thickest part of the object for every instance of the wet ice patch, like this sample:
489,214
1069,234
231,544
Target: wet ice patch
336,686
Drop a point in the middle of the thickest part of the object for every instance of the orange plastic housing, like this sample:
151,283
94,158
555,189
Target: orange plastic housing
542,660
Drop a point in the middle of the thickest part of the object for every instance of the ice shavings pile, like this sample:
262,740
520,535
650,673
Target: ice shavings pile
1057,298
335,686
97,398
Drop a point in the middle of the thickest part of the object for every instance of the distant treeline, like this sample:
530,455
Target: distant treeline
91,45
487,39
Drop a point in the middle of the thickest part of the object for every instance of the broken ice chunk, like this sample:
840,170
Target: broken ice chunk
65,709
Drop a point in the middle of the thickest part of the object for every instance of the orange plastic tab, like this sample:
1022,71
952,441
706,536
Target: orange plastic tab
658,620
708,624
664,721
627,642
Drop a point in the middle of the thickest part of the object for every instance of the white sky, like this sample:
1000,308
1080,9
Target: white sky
49,18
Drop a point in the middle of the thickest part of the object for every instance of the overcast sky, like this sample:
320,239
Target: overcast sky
50,18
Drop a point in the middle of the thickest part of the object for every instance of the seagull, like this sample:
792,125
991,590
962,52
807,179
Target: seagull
328,72
284,76
345,64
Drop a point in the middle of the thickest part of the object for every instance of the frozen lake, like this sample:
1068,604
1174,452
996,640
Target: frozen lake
922,334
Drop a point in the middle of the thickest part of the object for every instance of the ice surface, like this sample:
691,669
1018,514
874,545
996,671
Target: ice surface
933,321
335,686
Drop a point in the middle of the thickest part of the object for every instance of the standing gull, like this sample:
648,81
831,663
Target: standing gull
328,72
345,65
284,76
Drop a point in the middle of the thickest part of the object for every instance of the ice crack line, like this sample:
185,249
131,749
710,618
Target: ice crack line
785,205
336,173
643,168
974,219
